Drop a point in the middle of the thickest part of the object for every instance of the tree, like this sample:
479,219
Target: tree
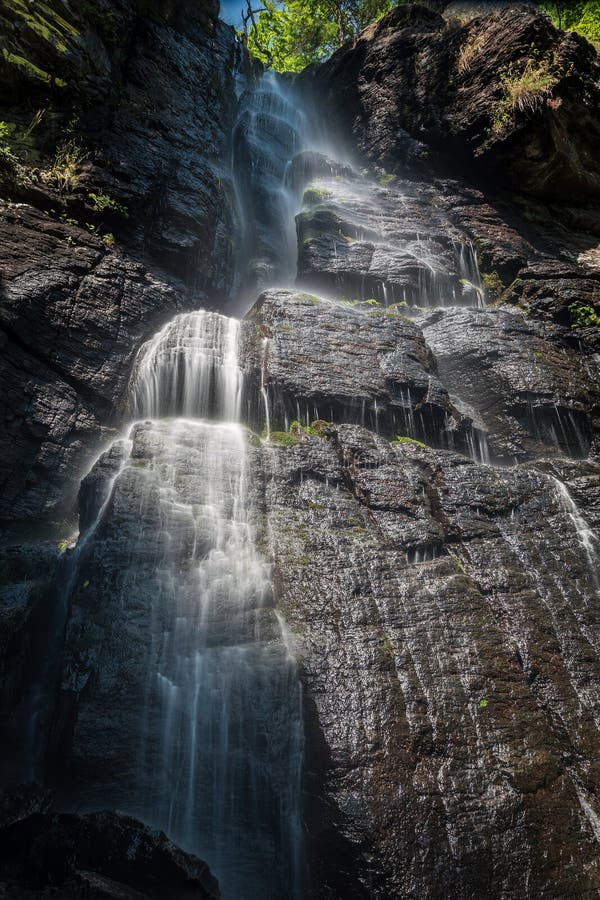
291,34
589,23
576,15
564,13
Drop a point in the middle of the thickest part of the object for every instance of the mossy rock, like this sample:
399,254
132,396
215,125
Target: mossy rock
314,196
402,439
283,438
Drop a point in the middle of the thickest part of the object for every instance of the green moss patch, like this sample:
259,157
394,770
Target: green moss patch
402,439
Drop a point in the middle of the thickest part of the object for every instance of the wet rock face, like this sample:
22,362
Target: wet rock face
413,83
393,243
102,855
534,392
489,382
69,333
442,610
318,359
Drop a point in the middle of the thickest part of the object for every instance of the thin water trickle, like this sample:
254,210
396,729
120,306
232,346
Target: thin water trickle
39,700
585,533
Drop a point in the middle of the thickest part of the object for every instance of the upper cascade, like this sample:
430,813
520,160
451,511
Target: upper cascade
271,129
190,369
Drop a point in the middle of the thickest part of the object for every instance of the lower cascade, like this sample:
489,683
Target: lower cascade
218,736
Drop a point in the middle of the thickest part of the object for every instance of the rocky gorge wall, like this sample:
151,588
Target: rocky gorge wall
117,212
445,610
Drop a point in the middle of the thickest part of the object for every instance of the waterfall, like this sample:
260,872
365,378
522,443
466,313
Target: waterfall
219,730
222,739
271,129
221,742
190,368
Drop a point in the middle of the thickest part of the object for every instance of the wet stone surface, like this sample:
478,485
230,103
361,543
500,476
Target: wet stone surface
446,619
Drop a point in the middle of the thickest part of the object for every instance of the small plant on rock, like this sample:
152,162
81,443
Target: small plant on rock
64,172
468,52
527,92
493,284
314,196
402,439
283,438
104,203
583,316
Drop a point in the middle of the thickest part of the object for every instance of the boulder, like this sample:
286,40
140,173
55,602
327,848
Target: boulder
103,855
506,95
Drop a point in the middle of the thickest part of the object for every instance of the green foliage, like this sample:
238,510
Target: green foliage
583,316
493,284
297,432
402,439
290,34
44,21
319,427
385,180
17,147
62,546
283,438
387,646
564,13
525,92
8,163
589,23
30,69
483,704
109,240
393,311
103,203
576,15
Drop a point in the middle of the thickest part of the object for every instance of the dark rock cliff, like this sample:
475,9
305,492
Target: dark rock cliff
115,212
419,593
105,856
125,216
445,610
415,85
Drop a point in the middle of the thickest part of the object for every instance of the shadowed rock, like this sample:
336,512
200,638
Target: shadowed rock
413,78
104,855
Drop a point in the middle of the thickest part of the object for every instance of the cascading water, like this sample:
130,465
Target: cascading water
270,131
219,763
190,368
